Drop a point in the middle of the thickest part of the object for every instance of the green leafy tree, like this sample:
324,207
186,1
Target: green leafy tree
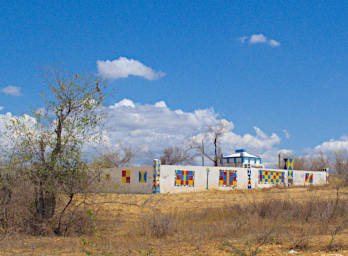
48,148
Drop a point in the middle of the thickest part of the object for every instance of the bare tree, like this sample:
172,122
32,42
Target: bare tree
114,158
341,163
319,162
176,155
212,135
300,163
341,166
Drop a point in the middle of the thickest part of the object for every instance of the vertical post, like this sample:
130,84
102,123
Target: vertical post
279,161
289,165
156,176
327,171
249,177
202,153
207,178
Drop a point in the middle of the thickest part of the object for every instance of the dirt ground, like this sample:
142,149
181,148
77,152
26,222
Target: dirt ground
121,224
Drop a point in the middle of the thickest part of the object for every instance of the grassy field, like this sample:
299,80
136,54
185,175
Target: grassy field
259,222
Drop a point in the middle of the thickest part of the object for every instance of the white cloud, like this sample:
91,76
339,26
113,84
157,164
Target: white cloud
259,39
333,145
123,103
1,108
155,126
270,156
286,134
12,90
273,43
6,136
124,67
160,104
242,39
149,128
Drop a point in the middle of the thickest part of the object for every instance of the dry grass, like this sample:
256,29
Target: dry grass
18,213
259,222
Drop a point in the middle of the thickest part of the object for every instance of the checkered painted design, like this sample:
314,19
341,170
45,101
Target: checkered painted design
271,177
289,165
184,178
228,178
126,176
249,179
156,176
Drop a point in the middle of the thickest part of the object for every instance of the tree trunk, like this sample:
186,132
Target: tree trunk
45,203
215,157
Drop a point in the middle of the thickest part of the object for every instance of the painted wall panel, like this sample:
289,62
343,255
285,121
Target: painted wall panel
112,180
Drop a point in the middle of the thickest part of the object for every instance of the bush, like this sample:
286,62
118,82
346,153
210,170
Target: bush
251,225
157,224
18,211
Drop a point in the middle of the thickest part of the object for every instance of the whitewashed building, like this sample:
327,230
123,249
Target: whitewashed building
241,158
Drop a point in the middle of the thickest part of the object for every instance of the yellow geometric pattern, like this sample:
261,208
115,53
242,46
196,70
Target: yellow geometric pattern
126,176
156,176
228,178
142,176
271,177
309,178
184,178
289,165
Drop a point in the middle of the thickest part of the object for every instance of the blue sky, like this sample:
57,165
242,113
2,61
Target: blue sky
300,85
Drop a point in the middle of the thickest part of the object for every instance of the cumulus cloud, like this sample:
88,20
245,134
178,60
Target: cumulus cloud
273,43
160,104
286,134
270,156
333,145
11,90
6,136
123,103
124,67
259,39
1,108
154,127
149,128
242,39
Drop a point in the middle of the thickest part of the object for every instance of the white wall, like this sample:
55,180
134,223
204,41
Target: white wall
167,179
319,178
256,173
115,185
